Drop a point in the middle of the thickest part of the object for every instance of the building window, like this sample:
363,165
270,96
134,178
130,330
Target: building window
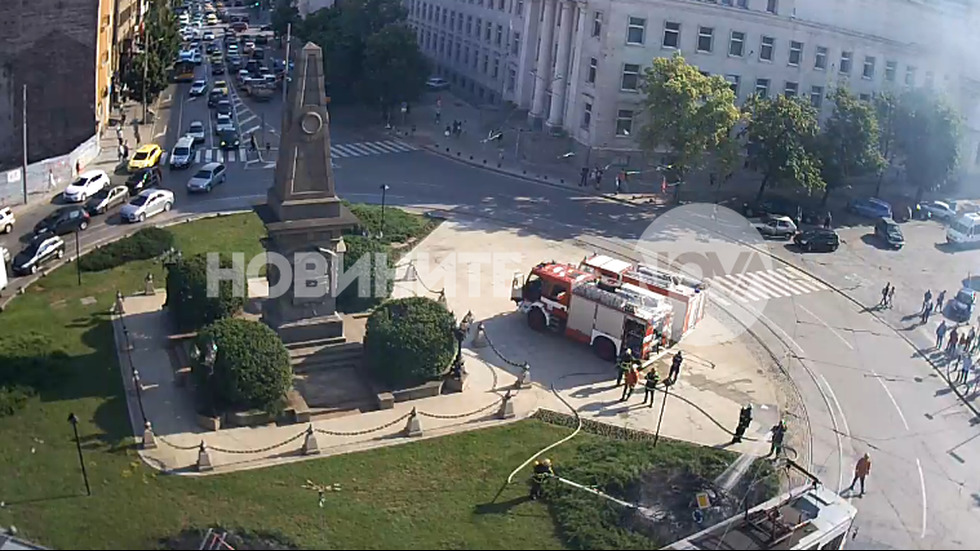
736,44
500,5
771,6
586,115
476,29
486,35
890,67
593,69
791,89
496,67
820,58
459,48
459,27
910,76
444,10
511,79
762,87
515,47
597,24
500,35
767,48
795,53
816,96
865,97
706,37
452,19
733,82
520,7
624,122
469,24
672,34
869,67
631,77
845,63
486,63
635,30
466,55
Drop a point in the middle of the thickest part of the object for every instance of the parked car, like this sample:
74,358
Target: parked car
86,185
906,208
819,239
7,220
149,202
888,231
145,179
39,252
209,176
107,199
870,207
784,207
962,306
196,131
63,221
777,227
940,210
436,83
146,156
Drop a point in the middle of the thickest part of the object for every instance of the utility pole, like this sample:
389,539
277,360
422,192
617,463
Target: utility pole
24,138
285,69
146,68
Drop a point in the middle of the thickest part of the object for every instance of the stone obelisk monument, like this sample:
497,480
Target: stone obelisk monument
303,215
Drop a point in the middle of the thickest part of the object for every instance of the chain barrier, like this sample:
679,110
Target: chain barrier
497,352
461,415
365,431
133,373
411,264
177,446
259,450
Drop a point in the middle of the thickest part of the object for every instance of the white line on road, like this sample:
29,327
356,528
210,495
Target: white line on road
892,398
838,335
922,485
248,118
250,130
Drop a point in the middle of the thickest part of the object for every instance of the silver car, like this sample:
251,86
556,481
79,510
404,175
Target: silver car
209,175
148,203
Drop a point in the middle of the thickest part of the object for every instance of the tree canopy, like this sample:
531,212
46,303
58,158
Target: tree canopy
409,341
159,50
850,142
782,137
689,114
928,135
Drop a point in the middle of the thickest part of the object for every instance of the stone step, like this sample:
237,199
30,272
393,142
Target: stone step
334,356
329,341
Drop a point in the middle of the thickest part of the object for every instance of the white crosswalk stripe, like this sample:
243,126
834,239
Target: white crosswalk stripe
363,149
202,156
765,285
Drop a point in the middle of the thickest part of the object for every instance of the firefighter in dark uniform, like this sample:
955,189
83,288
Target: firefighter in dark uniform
778,433
744,419
675,367
650,385
542,471
626,360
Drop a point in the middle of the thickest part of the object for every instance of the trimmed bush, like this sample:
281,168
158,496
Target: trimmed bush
409,341
400,226
251,369
187,294
350,299
14,398
145,244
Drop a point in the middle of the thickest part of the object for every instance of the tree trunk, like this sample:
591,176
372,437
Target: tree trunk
762,187
881,175
826,196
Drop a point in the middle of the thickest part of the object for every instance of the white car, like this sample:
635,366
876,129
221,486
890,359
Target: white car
223,123
88,184
7,220
199,88
148,203
208,35
196,131
940,210
196,57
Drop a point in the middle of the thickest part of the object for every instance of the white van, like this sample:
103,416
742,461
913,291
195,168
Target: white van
964,229
183,153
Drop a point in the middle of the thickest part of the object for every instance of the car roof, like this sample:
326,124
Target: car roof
150,191
199,123
89,174
183,140
148,147
780,217
877,201
210,166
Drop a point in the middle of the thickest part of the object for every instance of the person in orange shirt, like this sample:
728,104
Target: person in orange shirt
861,470
632,378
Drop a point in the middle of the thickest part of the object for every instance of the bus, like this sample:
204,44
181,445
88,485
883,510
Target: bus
184,71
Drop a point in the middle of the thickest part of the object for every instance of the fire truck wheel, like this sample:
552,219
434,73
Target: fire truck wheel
536,320
604,348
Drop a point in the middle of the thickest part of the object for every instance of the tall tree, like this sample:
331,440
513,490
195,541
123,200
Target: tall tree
160,44
689,114
782,135
887,112
284,13
849,142
395,69
928,136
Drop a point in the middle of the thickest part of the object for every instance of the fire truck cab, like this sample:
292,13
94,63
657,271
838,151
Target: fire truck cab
609,318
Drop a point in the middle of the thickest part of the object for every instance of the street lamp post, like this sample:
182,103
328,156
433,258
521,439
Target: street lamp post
384,193
78,256
663,406
146,69
78,445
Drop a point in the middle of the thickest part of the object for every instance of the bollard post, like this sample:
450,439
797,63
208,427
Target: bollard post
507,407
204,459
411,273
442,298
148,289
480,339
525,380
310,446
127,343
414,427
149,440
120,309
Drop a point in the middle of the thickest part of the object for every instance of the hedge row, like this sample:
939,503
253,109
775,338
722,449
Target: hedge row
144,244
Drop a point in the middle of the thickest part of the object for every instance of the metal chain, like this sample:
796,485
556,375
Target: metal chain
176,446
497,352
260,450
419,279
366,431
461,415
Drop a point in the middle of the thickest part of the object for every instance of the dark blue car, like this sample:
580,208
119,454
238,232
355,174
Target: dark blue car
961,307
870,207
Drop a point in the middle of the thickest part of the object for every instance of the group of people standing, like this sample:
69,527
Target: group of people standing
628,371
959,346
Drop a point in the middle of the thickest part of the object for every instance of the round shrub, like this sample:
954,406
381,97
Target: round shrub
350,298
187,294
409,341
251,369
145,244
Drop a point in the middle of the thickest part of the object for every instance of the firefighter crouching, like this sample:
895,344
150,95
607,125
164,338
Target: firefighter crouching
542,471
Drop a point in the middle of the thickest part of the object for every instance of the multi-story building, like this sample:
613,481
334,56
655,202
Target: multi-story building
128,14
61,51
577,65
306,7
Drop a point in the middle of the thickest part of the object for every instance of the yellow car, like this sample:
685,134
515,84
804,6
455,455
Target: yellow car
145,157
220,85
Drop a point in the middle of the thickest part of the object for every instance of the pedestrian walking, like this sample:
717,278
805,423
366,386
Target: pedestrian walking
585,177
968,340
861,471
675,367
120,153
891,296
51,181
778,433
136,132
828,220
926,312
884,295
632,378
119,135
940,334
122,118
951,344
125,149
744,419
650,386
618,183
965,368
926,300
598,178
78,167
940,300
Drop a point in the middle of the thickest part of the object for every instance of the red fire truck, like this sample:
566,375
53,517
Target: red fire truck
565,299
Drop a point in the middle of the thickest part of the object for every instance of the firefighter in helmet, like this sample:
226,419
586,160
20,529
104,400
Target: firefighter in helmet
744,420
626,361
542,471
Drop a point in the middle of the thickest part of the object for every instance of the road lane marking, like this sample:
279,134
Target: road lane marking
816,317
248,118
890,396
252,129
922,485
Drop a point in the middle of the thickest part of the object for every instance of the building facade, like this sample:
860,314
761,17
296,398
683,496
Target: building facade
60,50
577,65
